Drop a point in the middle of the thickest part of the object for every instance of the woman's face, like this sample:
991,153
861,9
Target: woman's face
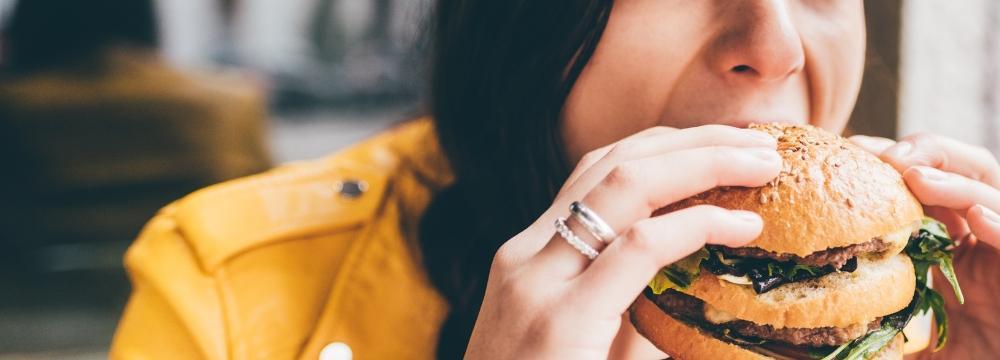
684,63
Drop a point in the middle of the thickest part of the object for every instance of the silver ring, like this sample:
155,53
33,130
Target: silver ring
593,223
574,240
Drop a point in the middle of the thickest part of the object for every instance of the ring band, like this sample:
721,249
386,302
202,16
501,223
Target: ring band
574,240
593,223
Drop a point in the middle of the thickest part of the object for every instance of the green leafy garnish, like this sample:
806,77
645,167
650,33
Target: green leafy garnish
832,355
870,344
932,246
680,274
930,299
790,270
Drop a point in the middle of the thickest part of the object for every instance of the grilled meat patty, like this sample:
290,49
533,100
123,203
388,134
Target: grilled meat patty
693,309
836,257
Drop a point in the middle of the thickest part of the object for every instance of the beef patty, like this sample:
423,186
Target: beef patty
834,256
693,309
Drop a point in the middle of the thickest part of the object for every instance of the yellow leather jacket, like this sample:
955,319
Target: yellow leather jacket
282,264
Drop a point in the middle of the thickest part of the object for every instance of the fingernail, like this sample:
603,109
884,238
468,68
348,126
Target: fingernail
746,216
767,155
929,173
901,150
989,214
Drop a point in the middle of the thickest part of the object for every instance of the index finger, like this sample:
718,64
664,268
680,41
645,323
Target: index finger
945,154
624,268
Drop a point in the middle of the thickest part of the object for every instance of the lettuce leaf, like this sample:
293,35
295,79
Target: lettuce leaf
680,274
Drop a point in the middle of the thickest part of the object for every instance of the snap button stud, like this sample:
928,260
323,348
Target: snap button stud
351,188
336,351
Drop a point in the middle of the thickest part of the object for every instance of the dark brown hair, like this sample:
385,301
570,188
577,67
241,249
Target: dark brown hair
501,73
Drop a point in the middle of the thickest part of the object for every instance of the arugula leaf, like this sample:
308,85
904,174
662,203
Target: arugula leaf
936,303
932,246
680,274
833,355
807,268
948,270
870,344
935,227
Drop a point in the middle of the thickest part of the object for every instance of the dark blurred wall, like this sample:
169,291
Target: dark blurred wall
877,109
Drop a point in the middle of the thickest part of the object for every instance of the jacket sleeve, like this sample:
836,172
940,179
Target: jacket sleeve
175,309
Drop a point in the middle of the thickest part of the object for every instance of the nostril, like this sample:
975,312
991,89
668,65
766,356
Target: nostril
742,68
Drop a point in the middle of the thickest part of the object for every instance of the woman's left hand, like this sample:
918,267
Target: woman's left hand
958,185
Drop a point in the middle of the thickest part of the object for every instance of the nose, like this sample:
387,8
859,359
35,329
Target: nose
758,43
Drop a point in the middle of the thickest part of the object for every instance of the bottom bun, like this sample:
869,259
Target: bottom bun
684,342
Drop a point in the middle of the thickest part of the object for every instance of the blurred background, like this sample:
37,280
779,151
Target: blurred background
109,109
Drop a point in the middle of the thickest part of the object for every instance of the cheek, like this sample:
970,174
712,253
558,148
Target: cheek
835,61
643,51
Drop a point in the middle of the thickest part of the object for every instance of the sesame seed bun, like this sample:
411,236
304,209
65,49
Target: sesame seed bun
877,288
830,194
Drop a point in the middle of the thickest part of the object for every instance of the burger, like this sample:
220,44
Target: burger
840,267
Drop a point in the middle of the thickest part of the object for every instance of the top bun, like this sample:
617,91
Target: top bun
830,193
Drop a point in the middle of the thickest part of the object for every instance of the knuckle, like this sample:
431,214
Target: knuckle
721,155
714,214
922,138
985,154
663,129
991,172
717,160
592,156
502,260
623,176
641,237
624,149
511,283
710,217
542,329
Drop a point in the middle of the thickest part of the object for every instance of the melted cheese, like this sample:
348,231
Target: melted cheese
717,316
902,235
738,280
897,239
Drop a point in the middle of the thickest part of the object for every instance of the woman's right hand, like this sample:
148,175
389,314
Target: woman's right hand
545,299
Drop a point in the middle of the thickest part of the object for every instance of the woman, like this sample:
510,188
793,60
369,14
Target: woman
521,91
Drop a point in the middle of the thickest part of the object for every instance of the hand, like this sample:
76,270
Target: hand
546,300
957,183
